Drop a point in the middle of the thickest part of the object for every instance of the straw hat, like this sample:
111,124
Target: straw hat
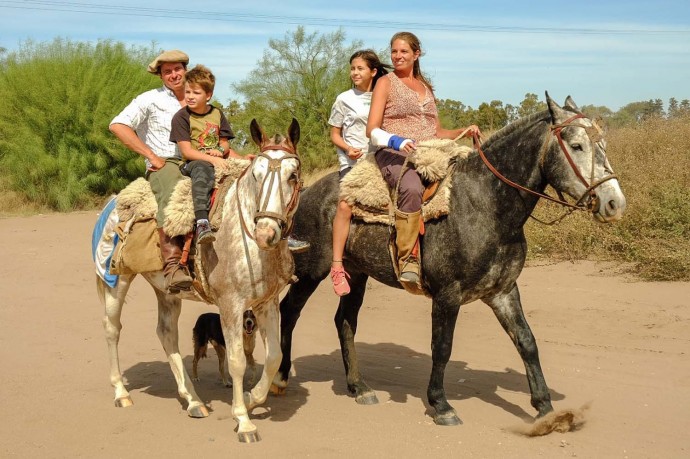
174,55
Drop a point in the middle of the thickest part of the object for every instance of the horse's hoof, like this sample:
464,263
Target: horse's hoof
249,437
277,390
228,384
544,411
447,419
123,402
197,411
367,398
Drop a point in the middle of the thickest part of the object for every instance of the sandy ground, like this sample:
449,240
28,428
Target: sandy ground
619,344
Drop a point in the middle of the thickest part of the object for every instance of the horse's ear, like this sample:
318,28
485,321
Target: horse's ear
557,113
257,133
293,132
570,103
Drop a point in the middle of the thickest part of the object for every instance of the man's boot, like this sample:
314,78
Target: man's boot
176,277
406,237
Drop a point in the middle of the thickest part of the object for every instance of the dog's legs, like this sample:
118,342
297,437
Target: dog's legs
220,351
113,300
168,314
199,352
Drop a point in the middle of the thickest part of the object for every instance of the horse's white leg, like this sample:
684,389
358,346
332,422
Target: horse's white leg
169,308
270,333
113,299
231,320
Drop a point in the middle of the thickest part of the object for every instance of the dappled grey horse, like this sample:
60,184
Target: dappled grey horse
475,253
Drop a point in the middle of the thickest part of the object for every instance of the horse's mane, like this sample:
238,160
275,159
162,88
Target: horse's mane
505,132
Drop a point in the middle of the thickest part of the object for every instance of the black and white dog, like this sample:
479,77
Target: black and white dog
208,330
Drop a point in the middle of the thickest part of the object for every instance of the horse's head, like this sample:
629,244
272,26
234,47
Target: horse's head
276,170
575,162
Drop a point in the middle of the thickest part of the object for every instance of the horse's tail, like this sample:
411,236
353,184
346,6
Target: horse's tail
100,289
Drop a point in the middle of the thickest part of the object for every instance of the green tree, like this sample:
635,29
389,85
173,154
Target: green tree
491,116
672,107
684,108
512,113
636,112
59,97
597,111
298,76
530,104
454,114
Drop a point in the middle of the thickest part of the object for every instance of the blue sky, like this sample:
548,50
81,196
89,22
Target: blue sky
601,52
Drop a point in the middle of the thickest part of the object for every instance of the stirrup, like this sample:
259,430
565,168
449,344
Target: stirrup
409,277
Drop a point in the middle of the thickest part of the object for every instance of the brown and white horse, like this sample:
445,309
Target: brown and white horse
247,267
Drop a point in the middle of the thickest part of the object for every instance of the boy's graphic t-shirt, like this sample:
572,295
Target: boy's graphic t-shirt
203,131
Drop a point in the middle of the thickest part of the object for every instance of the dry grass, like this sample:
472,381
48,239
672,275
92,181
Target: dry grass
13,204
652,161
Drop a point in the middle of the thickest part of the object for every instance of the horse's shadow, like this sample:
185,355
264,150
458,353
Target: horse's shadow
388,367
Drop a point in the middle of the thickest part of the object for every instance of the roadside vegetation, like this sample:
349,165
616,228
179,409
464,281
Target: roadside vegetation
56,153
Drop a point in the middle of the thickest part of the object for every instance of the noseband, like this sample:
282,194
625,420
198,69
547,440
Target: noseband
273,177
588,198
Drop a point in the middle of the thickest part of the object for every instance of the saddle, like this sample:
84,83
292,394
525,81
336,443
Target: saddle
137,201
136,208
364,189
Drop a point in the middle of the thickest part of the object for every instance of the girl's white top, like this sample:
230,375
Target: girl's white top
350,112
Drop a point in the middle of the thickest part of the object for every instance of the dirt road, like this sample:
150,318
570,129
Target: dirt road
619,344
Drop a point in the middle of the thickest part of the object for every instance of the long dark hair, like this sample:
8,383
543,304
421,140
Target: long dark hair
373,62
412,40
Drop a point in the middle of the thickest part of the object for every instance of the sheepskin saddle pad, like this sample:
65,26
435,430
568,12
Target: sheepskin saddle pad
364,189
136,200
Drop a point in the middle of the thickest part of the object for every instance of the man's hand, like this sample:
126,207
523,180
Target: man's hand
156,163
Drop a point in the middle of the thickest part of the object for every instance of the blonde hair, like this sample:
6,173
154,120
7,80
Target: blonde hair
412,40
202,76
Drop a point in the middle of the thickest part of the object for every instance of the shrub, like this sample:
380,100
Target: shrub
55,147
653,166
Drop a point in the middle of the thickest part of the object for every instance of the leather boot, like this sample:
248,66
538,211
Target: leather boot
176,277
406,237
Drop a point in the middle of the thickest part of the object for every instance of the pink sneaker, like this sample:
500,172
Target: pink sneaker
339,277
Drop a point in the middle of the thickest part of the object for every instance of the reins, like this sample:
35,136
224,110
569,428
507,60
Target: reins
594,133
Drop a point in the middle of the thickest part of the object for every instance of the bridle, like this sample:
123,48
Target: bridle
587,201
283,219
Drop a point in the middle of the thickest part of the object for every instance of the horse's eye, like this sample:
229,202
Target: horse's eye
576,146
294,177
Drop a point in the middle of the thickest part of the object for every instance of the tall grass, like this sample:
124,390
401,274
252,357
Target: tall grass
652,161
59,97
